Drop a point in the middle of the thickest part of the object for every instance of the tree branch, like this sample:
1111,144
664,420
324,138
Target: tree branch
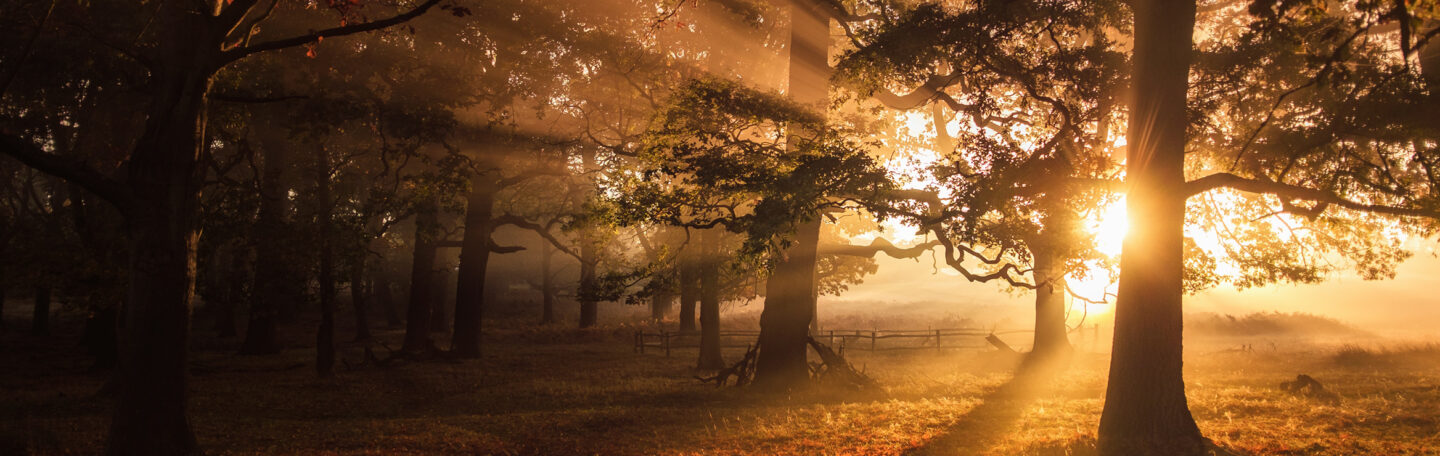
876,246
1294,192
242,52
69,169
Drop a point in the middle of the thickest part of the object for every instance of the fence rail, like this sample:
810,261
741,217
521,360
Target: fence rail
852,339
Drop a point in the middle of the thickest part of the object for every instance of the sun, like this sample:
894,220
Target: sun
1110,227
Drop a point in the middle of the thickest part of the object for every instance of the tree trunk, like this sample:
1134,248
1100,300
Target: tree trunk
360,295
149,415
660,304
381,288
785,322
438,290
40,318
710,355
233,281
474,259
588,311
790,289
547,284
422,279
2,289
589,258
272,287
325,334
101,338
1051,343
689,290
1145,406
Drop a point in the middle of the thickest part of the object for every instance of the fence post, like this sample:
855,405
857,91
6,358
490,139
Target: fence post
937,340
640,342
872,341
666,341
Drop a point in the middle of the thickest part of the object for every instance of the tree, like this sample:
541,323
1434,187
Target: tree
191,44
1318,137
1012,190
790,289
1145,407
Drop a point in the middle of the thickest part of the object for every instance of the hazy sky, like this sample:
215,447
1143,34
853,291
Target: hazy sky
1408,306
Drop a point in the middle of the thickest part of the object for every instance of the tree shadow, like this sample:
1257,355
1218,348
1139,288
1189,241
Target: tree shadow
998,412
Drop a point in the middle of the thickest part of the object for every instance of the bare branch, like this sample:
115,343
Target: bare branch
69,169
239,53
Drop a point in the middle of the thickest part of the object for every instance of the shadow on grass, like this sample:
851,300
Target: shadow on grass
987,423
999,414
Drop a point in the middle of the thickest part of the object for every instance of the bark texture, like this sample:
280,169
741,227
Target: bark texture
422,280
1145,407
790,289
474,260
164,177
710,355
273,282
689,278
325,334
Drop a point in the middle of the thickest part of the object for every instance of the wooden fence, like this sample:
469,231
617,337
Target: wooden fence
840,339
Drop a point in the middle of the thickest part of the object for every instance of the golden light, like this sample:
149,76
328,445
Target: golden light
1110,227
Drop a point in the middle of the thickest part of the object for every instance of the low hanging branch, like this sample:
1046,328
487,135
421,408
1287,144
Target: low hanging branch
879,245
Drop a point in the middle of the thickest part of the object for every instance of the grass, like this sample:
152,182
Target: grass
560,391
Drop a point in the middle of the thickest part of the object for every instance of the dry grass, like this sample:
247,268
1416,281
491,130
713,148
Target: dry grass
554,391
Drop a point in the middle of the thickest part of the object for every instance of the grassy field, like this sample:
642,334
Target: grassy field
559,391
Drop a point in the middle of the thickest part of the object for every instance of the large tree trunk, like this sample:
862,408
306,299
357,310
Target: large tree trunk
790,289
422,280
710,355
1050,344
474,259
40,316
149,417
547,284
1145,407
689,289
325,334
273,285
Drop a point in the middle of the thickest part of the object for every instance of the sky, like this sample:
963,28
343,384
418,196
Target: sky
910,291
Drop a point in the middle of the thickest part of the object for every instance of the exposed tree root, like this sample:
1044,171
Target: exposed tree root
743,370
833,369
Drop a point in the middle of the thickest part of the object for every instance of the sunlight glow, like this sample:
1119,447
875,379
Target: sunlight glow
1110,227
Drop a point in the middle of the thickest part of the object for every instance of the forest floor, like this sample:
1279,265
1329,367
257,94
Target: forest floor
557,391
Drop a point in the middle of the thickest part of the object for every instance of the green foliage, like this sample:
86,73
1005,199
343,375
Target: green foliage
721,154
1309,94
1032,86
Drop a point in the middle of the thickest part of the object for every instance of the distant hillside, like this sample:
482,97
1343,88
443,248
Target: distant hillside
1267,324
